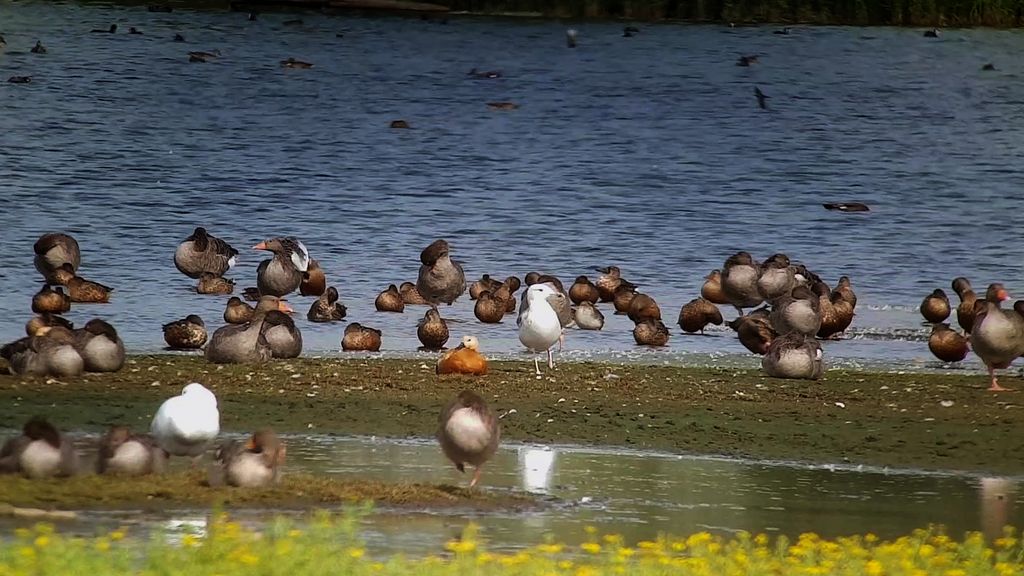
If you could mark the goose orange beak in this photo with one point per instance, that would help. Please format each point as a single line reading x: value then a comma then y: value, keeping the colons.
x: 260, y: 246
x: 284, y: 307
x: 1003, y: 295
x: 251, y: 444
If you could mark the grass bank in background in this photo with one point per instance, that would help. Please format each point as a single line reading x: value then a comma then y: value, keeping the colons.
x: 332, y: 546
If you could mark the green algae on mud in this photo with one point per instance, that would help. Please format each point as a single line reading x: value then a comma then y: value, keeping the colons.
x: 294, y: 491
x: 918, y: 420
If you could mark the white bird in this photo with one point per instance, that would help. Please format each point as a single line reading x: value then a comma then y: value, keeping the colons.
x: 186, y: 424
x: 539, y: 327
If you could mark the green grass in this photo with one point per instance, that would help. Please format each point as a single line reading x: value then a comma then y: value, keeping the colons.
x: 331, y: 545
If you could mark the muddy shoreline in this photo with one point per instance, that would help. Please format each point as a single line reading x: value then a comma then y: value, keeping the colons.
x: 926, y: 421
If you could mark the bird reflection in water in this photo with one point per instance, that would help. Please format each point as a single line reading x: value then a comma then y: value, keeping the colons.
x: 997, y: 497
x: 538, y: 467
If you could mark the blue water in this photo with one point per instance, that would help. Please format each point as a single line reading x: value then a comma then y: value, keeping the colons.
x: 647, y: 152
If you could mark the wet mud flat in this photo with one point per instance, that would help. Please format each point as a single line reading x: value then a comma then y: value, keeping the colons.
x: 926, y: 421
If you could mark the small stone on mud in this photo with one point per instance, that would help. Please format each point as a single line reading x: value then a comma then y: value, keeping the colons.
x: 946, y: 403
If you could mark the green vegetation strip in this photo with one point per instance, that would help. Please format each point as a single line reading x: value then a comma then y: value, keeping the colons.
x: 332, y: 546
x: 929, y: 421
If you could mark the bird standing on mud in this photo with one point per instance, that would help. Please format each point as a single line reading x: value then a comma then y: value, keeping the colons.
x: 539, y: 326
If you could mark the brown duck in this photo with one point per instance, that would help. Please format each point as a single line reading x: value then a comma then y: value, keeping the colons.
x: 651, y: 333
x: 845, y: 291
x: 469, y: 433
x: 441, y: 279
x: 947, y: 344
x: 123, y: 453
x: 583, y: 290
x: 237, y: 312
x: 211, y: 284
x: 52, y: 251
x: 608, y: 282
x: 80, y: 289
x: 314, y: 281
x: 189, y: 333
x: 698, y: 313
x: 412, y: 296
x: 711, y: 290
x: 643, y: 307
x: 754, y: 331
x: 432, y: 330
x: 327, y: 308
x: 935, y: 307
x: 204, y: 253
x: 45, y: 321
x: 624, y: 295
x: 390, y: 300
x: 255, y: 463
x: 484, y: 284
x: 489, y: 309
x: 360, y: 338
x: 965, y: 311
x: 50, y: 300
x: 831, y: 321
x: 507, y: 292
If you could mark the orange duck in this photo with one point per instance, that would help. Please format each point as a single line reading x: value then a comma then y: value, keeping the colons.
x: 463, y: 359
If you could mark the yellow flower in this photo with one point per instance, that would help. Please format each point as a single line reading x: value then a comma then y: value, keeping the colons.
x: 189, y: 540
x: 460, y: 546
x: 42, y: 541
x: 625, y: 552
x: 591, y: 547
x: 590, y: 530
x: 698, y: 539
x: 1006, y: 542
x: 586, y: 571
x: 356, y: 553
x: 103, y: 545
x: 870, y: 538
x: 613, y: 539
x: 550, y: 548
x: 874, y: 568
x: 27, y: 552
x: 117, y: 535
x: 955, y: 572
x: 761, y: 539
x: 293, y: 533
x: 249, y: 559
x: 564, y: 564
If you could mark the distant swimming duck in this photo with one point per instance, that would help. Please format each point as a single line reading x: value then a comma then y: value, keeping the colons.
x: 203, y: 253
x: 80, y: 289
x: 100, y: 346
x: 50, y: 351
x: 629, y: 31
x: 390, y: 300
x: 624, y: 295
x: 698, y: 313
x: 762, y: 98
x: 754, y: 331
x: 463, y: 359
x: 933, y: 33
x: 314, y: 281
x: 588, y: 317
x: 411, y: 296
x: 159, y: 8
x: 3, y: 43
x: 651, y: 333
x: 20, y: 80
x: 399, y: 124
x: 947, y: 344
x: 711, y: 290
x: 847, y: 207
x: 186, y: 424
x: 570, y: 38
x: 283, y: 273
x: 643, y: 307
x: 608, y: 282
x: 134, y: 30
x: 179, y: 38
x: 997, y: 336
x: 502, y: 105
x: 205, y: 55
x: 935, y: 307
x: 327, y: 308
x: 484, y: 74
x: 38, y: 48
x: 746, y: 60
x: 794, y: 356
x: 360, y: 338
x: 988, y: 67
x: 489, y: 309
x: 46, y: 320
x: 965, y: 310
x: 39, y: 452
x: 123, y: 453
x: 797, y: 312
x: 441, y: 279
x: 255, y: 463
x: 432, y: 330
x: 189, y: 333
x: 293, y: 63
x: 213, y: 284
x: 51, y: 300
x: 237, y: 312
x: 739, y: 281
x: 784, y: 31
x: 111, y: 30
x: 52, y: 251
x: 469, y: 433
x: 484, y: 284
x: 583, y: 290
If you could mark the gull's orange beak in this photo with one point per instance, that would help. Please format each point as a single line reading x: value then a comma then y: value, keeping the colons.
x: 284, y: 307
x: 260, y: 246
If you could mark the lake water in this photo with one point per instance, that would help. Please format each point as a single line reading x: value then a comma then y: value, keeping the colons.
x: 647, y: 152
x: 636, y: 494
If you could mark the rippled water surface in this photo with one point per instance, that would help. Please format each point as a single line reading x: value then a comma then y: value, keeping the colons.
x: 647, y: 152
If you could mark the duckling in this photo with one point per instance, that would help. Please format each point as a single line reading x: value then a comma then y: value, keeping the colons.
x: 643, y: 307
x: 583, y: 290
x: 489, y: 309
x: 651, y: 332
x: 624, y: 295
x: 965, y: 311
x: 124, y: 453
x: 49, y: 352
x: 484, y: 284
x: 432, y: 330
x: 203, y: 253
x: 776, y: 277
x: 412, y: 296
x: 711, y: 290
x: 100, y: 346
x: 46, y: 320
x: 189, y: 333
x: 293, y: 63
x: 440, y: 279
x: 389, y: 300
x: 588, y: 317
x: 358, y: 337
x: 38, y: 48
x: 463, y: 359
x: 237, y: 312
x: 794, y: 356
x: 314, y: 281
x: 608, y: 282
x: 254, y: 464
x: 946, y: 344
x: 39, y: 452
x: 210, y: 284
x: 80, y: 289
x: 49, y: 300
x: 283, y: 273
x: 111, y: 30
x: 698, y: 313
x: 282, y: 335
x: 797, y: 312
x: 469, y: 433
x: 739, y: 281
x: 935, y: 307
x: 327, y: 308
x: 754, y: 331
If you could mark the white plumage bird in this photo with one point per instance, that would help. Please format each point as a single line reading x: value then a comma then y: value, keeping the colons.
x: 185, y: 425
x: 539, y: 327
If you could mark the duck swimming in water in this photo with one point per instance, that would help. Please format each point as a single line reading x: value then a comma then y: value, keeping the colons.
x: 794, y: 356
x: 293, y: 63
x: 463, y: 359
x: 52, y: 251
x: 39, y: 452
x: 283, y: 273
x: 360, y: 338
x: 123, y: 453
x: 698, y: 313
x: 327, y: 308
x: 432, y: 330
x: 80, y: 289
x: 489, y: 309
x: 440, y: 278
x: 189, y: 333
x: 210, y: 284
x: 254, y: 463
x: 484, y: 284
x: 412, y: 296
x: 935, y: 307
x: 203, y: 253
x: 38, y: 48
x: 469, y: 433
x: 314, y: 281
x: 50, y: 300
x: 100, y: 346
x: 390, y: 300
